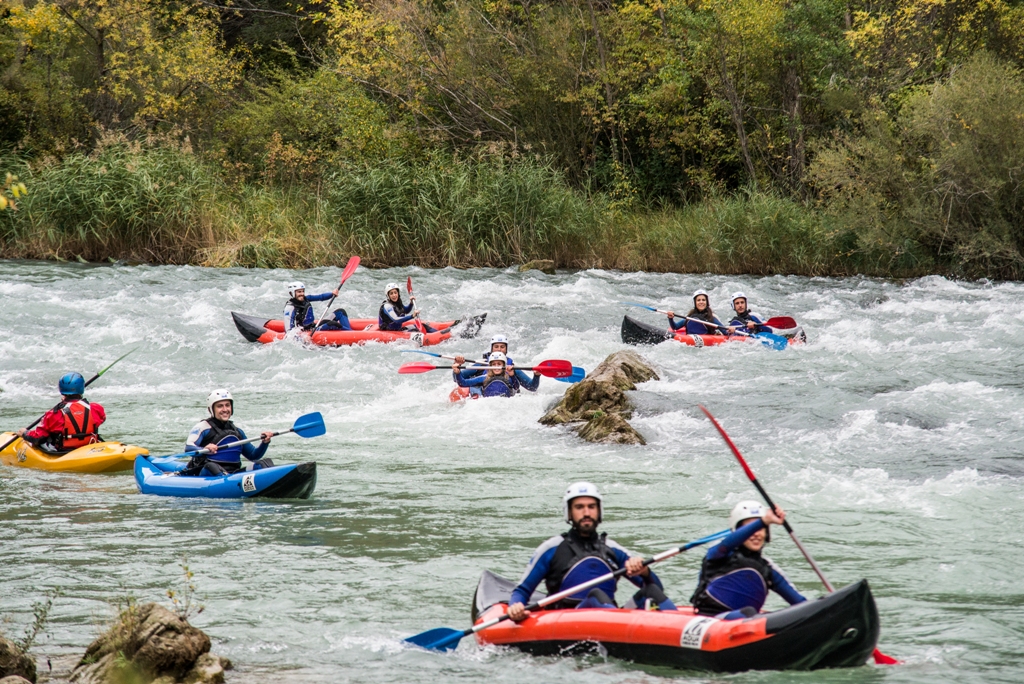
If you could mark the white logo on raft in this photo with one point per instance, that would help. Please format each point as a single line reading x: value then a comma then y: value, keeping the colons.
x: 693, y: 633
x: 698, y: 341
x: 249, y: 482
x: 417, y: 338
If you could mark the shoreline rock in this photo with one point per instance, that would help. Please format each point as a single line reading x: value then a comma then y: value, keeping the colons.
x: 14, y: 663
x: 598, y: 406
x: 543, y: 265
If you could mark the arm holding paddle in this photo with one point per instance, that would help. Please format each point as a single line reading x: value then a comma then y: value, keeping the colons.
x: 634, y: 567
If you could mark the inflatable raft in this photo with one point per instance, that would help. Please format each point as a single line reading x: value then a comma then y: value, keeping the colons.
x: 839, y: 630
x: 264, y: 330
x: 294, y: 481
x: 637, y: 332
x: 102, y: 457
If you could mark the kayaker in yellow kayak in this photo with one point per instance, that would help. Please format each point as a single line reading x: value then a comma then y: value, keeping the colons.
x: 73, y: 424
x: 580, y: 555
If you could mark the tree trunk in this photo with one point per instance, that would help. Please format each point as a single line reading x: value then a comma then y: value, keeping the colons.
x: 736, y: 109
x: 609, y: 96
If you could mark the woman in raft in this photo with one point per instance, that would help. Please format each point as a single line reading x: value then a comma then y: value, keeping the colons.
x: 701, y: 310
x: 497, y: 382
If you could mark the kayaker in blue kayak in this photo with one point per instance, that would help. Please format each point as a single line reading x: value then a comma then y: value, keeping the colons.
x: 743, y: 317
x: 580, y: 555
x: 734, y: 576
x: 494, y: 382
x: 394, y: 315
x: 298, y: 312
x: 702, y: 310
x: 218, y: 430
x: 517, y: 378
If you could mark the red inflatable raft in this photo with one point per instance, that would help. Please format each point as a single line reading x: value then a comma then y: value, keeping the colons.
x: 637, y: 332
x: 261, y: 329
x: 839, y: 630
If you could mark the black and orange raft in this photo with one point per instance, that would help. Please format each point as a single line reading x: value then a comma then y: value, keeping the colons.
x: 839, y: 630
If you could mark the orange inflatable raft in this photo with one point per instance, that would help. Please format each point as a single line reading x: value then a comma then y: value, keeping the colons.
x: 839, y: 630
x: 264, y: 330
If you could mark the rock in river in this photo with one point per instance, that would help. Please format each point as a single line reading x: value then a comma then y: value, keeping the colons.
x: 15, y: 663
x: 599, y: 406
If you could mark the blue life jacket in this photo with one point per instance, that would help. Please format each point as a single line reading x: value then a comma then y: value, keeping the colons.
x: 576, y: 561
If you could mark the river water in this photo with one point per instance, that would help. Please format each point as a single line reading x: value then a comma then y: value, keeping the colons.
x: 895, y: 439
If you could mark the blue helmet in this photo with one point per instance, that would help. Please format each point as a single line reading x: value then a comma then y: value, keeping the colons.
x: 72, y: 383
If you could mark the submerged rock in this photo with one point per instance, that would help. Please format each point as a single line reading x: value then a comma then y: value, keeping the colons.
x: 599, y: 405
x: 543, y: 265
x: 149, y: 643
x: 15, y: 663
x: 14, y: 679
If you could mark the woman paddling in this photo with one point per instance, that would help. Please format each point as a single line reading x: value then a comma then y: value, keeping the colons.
x: 702, y: 310
x: 497, y: 382
x: 393, y: 314
x: 735, y: 577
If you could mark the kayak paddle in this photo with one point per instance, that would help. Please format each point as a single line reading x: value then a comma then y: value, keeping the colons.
x: 553, y: 368
x: 308, y: 425
x: 768, y: 339
x: 783, y: 322
x: 880, y: 658
x: 447, y: 639
x: 59, y: 404
x: 350, y: 268
x: 578, y: 373
x: 416, y: 320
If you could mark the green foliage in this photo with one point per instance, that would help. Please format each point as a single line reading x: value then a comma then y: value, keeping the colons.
x: 184, y: 601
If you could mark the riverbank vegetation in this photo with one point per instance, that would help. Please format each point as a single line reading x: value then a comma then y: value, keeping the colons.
x: 734, y: 136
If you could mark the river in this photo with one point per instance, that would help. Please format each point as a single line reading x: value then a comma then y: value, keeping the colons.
x: 894, y: 438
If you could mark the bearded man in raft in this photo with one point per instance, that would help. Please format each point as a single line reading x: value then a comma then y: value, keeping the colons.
x: 580, y: 555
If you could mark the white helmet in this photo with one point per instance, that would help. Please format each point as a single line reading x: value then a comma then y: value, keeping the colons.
x: 293, y: 286
x: 499, y: 339
x: 698, y: 293
x: 745, y: 510
x: 496, y: 356
x: 738, y: 295
x: 578, y: 489
x: 219, y: 395
x: 391, y: 286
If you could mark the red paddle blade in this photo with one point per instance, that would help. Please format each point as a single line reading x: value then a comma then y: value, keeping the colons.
x: 554, y: 368
x: 882, y: 659
x: 783, y: 322
x: 408, y: 285
x: 416, y: 367
x: 350, y: 268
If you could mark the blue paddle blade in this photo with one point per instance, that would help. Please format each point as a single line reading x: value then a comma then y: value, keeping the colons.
x: 420, y: 351
x: 309, y: 425
x: 642, y: 306
x: 773, y: 341
x: 438, y: 639
x: 577, y: 375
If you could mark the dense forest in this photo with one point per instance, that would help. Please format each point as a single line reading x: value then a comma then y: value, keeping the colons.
x: 735, y: 136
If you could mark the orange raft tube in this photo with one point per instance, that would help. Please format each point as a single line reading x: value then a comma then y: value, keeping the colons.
x: 265, y: 331
x: 839, y: 630
x: 637, y: 332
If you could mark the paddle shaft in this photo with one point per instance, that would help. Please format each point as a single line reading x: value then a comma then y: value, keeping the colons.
x: 695, y: 320
x: 350, y: 268
x: 412, y: 298
x: 566, y: 593
x: 60, y: 404
x: 240, y: 442
x: 880, y: 658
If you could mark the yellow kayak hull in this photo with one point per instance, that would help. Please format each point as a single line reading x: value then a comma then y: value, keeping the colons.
x: 104, y: 457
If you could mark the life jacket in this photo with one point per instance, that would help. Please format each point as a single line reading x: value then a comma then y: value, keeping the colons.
x: 222, y: 432
x: 710, y: 329
x: 79, y: 427
x: 390, y: 312
x: 747, y: 317
x: 744, y: 569
x: 578, y: 560
x: 497, y: 386
x: 301, y: 310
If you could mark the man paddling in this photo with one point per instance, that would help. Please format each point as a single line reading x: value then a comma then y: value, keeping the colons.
x: 743, y: 317
x: 74, y: 423
x: 217, y: 430
x: 517, y: 379
x: 735, y: 577
x: 581, y: 554
x: 298, y: 312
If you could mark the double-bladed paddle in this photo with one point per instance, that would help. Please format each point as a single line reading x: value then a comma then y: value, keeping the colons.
x: 61, y: 403
x: 447, y: 639
x: 880, y: 658
x: 350, y: 268
x: 308, y: 425
x: 768, y: 339
x: 416, y: 320
x: 578, y: 372
x: 552, y: 368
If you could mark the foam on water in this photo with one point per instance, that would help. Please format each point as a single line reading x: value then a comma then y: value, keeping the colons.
x: 895, y: 438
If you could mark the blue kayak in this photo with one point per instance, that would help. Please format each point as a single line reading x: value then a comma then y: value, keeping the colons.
x: 295, y: 481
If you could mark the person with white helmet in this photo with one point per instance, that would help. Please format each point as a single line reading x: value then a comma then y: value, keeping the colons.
x: 395, y: 315
x: 582, y: 554
x: 216, y: 430
x: 517, y: 378
x: 298, y: 312
x: 702, y: 310
x: 494, y: 382
x: 743, y: 317
x: 735, y: 577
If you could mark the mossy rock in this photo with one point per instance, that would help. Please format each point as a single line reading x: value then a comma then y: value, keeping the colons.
x: 14, y: 663
x: 543, y: 265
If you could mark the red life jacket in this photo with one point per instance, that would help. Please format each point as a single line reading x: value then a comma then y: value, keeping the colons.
x: 79, y: 428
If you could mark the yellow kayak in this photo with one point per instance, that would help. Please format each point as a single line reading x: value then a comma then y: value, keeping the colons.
x: 103, y: 457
